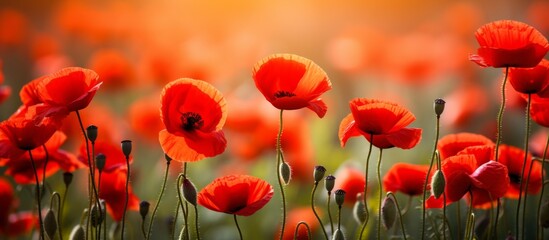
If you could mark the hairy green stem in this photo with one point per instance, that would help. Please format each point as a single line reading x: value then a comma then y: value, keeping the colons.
x: 539, y: 229
x: 380, y: 193
x: 238, y: 227
x: 278, y: 162
x: 518, y: 226
x: 433, y: 154
x: 390, y: 194
x: 314, y: 210
x: 366, y: 187
x: 37, y: 197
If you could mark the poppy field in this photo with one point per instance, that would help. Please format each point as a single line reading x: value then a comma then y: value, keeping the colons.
x: 274, y: 120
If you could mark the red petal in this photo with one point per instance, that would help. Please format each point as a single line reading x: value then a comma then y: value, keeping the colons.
x: 347, y: 129
x: 482, y: 153
x: 456, y: 170
x: 318, y: 106
x: 405, y: 138
x: 190, y: 148
x: 405, y: 178
x: 451, y: 144
x: 492, y: 177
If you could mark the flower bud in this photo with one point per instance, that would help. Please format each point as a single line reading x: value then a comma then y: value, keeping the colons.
x: 318, y: 173
x: 285, y: 172
x: 437, y: 184
x: 388, y: 212
x: 189, y: 191
x: 91, y: 132
x: 329, y: 183
x: 50, y: 224
x: 339, y: 197
x: 78, y: 233
x: 96, y: 216
x: 168, y: 158
x: 359, y: 210
x: 544, y: 215
x: 144, y: 209
x: 338, y: 235
x: 126, y: 147
x: 439, y: 106
x: 67, y: 178
x: 100, y: 161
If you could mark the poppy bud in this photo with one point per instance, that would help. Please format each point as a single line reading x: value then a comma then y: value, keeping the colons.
x: 100, y: 161
x: 144, y: 209
x: 96, y: 216
x: 329, y: 182
x: 388, y: 212
x: 168, y: 158
x: 318, y: 173
x: 439, y: 106
x: 544, y: 215
x: 67, y: 178
x: 338, y: 235
x: 359, y: 210
x: 78, y: 233
x: 126, y: 147
x: 50, y: 224
x: 91, y: 131
x: 339, y: 197
x: 285, y: 172
x: 189, y: 191
x: 437, y: 184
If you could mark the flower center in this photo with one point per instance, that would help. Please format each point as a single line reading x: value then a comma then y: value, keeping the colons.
x: 191, y: 121
x: 281, y: 94
x: 514, y: 178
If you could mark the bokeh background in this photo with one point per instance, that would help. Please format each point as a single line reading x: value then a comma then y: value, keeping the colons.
x: 409, y: 52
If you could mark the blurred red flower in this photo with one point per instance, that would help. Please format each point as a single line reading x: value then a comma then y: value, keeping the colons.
x: 143, y: 118
x: 19, y: 224
x: 351, y: 180
x: 508, y: 43
x: 115, y: 69
x: 513, y: 158
x: 303, y: 214
x: 466, y: 102
x: 383, y: 121
x: 193, y: 113
x: 5, y: 91
x: 292, y: 82
x: 406, y: 178
x: 539, y: 109
x: 115, y: 159
x: 452, y: 144
x: 113, y: 191
x: 6, y: 200
x: 530, y: 80
x: 236, y: 194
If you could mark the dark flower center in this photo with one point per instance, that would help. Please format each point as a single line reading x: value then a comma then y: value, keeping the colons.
x: 281, y: 94
x: 514, y: 178
x: 191, y: 121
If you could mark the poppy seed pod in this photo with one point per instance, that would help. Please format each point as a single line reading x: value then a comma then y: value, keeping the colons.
x: 78, y: 233
x: 438, y: 183
x: 144, y: 209
x: 100, y: 161
x: 318, y: 173
x: 96, y: 216
x: 67, y: 178
x: 338, y: 235
x: 339, y: 197
x: 126, y: 147
x: 359, y: 210
x: 189, y: 191
x: 285, y: 172
x: 329, y: 183
x: 50, y: 224
x: 439, y: 106
x: 91, y: 132
x: 544, y: 215
x: 388, y: 212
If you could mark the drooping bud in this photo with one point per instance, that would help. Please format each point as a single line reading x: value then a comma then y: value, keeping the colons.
x: 67, y: 178
x: 144, y: 209
x: 168, y: 158
x: 96, y: 216
x: 189, y: 191
x: 439, y: 106
x: 318, y: 173
x: 438, y: 184
x: 91, y: 131
x: 544, y: 215
x: 329, y: 183
x: 50, y: 224
x: 339, y: 197
x: 359, y: 210
x: 388, y: 212
x: 338, y: 235
x: 127, y: 147
x: 100, y: 161
x: 285, y: 172
x: 78, y: 233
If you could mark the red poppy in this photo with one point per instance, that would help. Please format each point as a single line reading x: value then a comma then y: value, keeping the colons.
x: 28, y: 94
x: 539, y: 110
x: 143, y: 116
x: 292, y: 82
x: 19, y: 224
x: 352, y: 181
x: 6, y: 200
x: 113, y: 191
x: 508, y: 43
x: 530, y: 80
x: 452, y: 144
x: 193, y: 113
x: 513, y: 158
x: 115, y: 69
x: 406, y: 178
x: 303, y: 214
x: 115, y: 158
x: 383, y: 121
x: 466, y: 101
x: 236, y: 194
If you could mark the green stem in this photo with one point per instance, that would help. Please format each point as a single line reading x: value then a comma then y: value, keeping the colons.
x: 518, y: 226
x: 37, y: 197
x: 339, y: 217
x: 500, y: 114
x: 148, y: 236
x: 306, y: 227
x: 380, y: 193
x: 238, y: 227
x: 58, y: 197
x: 175, y: 222
x: 390, y: 194
x: 540, y: 228
x: 45, y: 167
x: 459, y: 218
x: 444, y: 216
x: 196, y: 222
x: 329, y: 213
x: 437, y: 132
x: 366, y: 186
x: 314, y: 211
x: 278, y: 162
x: 470, y: 221
x: 127, y: 198
x: 62, y: 207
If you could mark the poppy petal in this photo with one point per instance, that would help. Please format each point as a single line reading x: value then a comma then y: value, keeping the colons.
x: 185, y: 149
x: 456, y: 170
x: 405, y: 138
x: 451, y: 144
x: 347, y: 129
x: 492, y: 177
x: 318, y: 106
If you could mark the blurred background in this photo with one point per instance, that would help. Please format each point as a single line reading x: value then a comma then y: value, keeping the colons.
x: 409, y: 52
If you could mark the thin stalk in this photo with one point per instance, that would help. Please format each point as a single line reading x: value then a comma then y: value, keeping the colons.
x: 306, y: 227
x: 439, y: 167
x: 339, y: 217
x: 196, y: 222
x: 500, y: 114
x: 186, y: 208
x: 238, y: 227
x: 314, y: 211
x: 148, y: 236
x: 459, y: 218
x: 380, y: 193
x: 127, y: 198
x: 45, y: 167
x: 329, y: 213
x: 437, y: 132
x: 172, y: 236
x: 62, y: 207
x: 539, y: 229
x: 278, y: 162
x: 518, y: 226
x: 470, y: 221
x: 58, y: 197
x: 390, y: 194
x: 37, y: 197
x: 366, y: 186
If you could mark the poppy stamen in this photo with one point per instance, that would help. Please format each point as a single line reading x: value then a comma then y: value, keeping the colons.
x: 281, y: 94
x: 191, y: 121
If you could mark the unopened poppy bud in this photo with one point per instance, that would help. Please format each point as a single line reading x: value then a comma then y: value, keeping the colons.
x: 329, y: 183
x: 339, y: 197
x: 388, y: 212
x: 78, y: 233
x: 544, y: 215
x: 126, y: 147
x: 338, y: 235
x: 439, y: 106
x: 318, y: 173
x: 67, y: 178
x: 144, y: 209
x: 168, y: 158
x: 91, y: 131
x: 437, y: 184
x: 189, y: 191
x: 285, y: 172
x: 100, y: 161
x: 359, y: 210
x: 96, y: 216
x: 50, y: 224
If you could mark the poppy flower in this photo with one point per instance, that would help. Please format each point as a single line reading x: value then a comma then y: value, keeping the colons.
x: 115, y: 69
x: 20, y: 223
x: 302, y: 214
x: 350, y: 180
x: 383, y: 121
x: 115, y: 158
x: 452, y: 144
x: 406, y: 178
x: 508, y: 43
x: 193, y: 113
x: 6, y: 200
x: 466, y: 101
x: 143, y: 117
x: 113, y: 191
x: 291, y: 82
x: 539, y: 111
x: 530, y: 80
x: 236, y: 194
x: 513, y: 158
